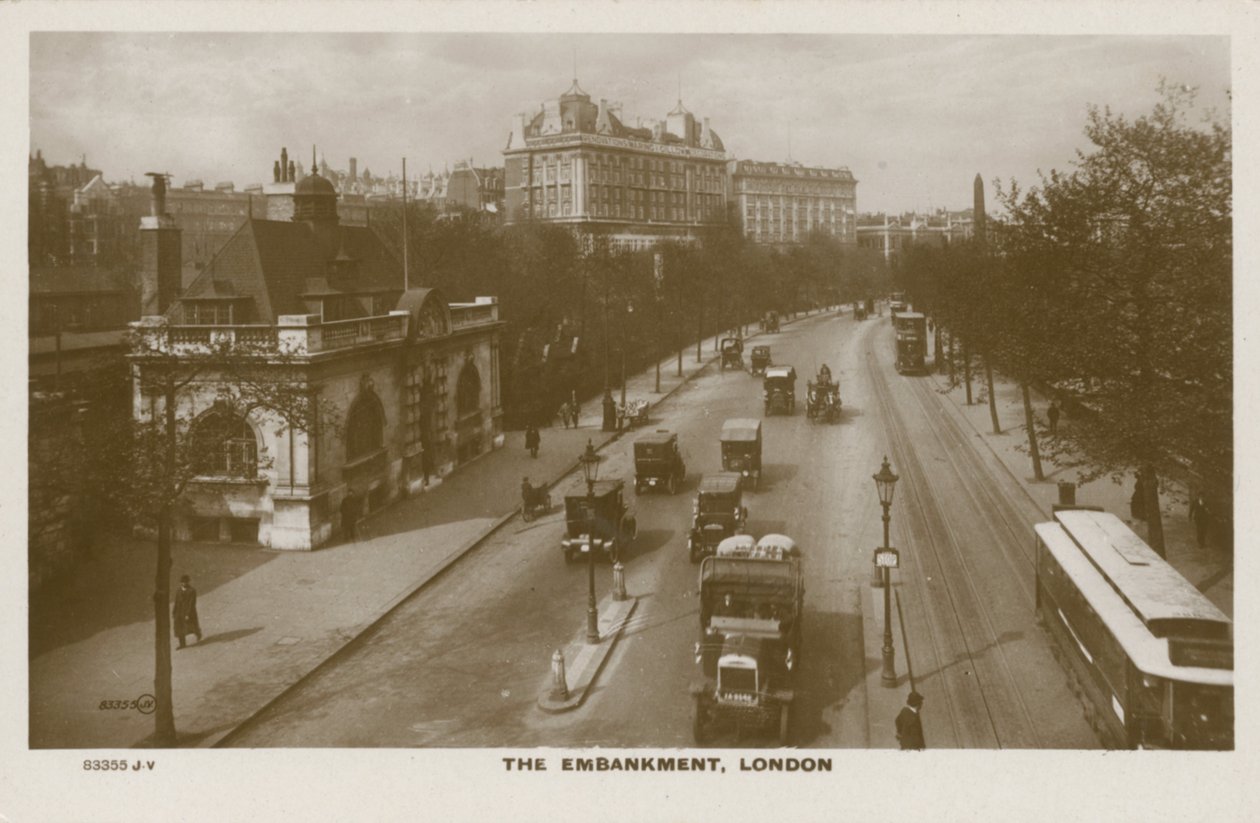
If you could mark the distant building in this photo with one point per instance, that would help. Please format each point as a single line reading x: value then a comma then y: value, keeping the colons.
x: 414, y: 378
x: 784, y: 203
x: 575, y: 163
x: 474, y: 189
x: 890, y: 235
x: 50, y: 190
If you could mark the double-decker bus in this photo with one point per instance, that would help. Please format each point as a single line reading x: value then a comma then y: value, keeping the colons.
x: 911, y: 331
x: 1152, y: 655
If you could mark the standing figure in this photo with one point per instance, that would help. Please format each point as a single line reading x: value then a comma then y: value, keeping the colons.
x: 532, y: 440
x: 575, y: 410
x: 565, y: 412
x: 610, y: 412
x: 909, y: 724
x: 1053, y: 414
x: 1137, y: 503
x: 185, y: 611
x: 1201, y: 516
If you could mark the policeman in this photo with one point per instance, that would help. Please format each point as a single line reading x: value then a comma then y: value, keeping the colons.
x: 909, y: 724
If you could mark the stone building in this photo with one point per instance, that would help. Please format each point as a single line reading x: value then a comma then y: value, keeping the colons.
x: 413, y: 378
x: 474, y: 189
x: 784, y: 203
x: 890, y: 235
x: 575, y: 163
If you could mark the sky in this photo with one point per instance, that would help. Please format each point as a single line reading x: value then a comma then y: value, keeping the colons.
x: 915, y: 117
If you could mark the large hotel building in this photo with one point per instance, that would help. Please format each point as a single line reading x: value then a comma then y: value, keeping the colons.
x: 784, y: 203
x: 575, y: 163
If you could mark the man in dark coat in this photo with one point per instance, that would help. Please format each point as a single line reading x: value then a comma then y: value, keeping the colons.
x: 1053, y: 414
x: 1201, y: 516
x: 532, y: 440
x: 909, y: 724
x: 185, y: 611
x: 610, y: 412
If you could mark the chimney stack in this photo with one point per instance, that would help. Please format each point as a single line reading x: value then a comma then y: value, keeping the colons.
x: 979, y: 215
x: 285, y: 166
x: 160, y: 254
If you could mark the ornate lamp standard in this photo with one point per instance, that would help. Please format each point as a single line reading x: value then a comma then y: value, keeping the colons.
x: 885, y: 483
x: 590, y: 470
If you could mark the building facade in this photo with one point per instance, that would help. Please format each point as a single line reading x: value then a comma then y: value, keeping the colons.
x: 575, y: 163
x: 784, y: 203
x: 890, y: 235
x: 410, y: 380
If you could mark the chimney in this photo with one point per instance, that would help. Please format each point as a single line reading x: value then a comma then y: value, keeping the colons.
x: 284, y: 165
x: 354, y: 169
x: 160, y: 256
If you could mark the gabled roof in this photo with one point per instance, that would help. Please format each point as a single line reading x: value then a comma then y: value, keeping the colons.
x: 274, y: 263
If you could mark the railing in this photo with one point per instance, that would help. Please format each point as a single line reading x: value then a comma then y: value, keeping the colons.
x: 467, y: 315
x: 298, y: 334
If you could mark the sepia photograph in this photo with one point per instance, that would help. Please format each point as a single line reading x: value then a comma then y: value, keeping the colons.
x: 650, y: 409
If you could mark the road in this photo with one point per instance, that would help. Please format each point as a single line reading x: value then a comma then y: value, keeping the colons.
x: 461, y: 663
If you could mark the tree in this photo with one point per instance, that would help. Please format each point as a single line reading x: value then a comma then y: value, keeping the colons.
x: 141, y: 461
x: 1134, y: 249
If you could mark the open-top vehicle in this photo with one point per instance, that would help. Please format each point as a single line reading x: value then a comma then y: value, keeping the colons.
x: 911, y: 331
x: 732, y: 354
x: 741, y: 448
x: 759, y: 360
x: 822, y: 401
x: 779, y: 390
x: 600, y: 522
x: 717, y: 513
x: 752, y: 600
x: 658, y: 463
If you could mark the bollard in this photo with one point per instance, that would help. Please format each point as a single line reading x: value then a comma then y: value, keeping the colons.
x: 559, y: 688
x: 619, y: 581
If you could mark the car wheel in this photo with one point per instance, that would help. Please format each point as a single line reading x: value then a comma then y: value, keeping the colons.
x: 784, y: 720
x: 527, y: 514
x: 671, y: 485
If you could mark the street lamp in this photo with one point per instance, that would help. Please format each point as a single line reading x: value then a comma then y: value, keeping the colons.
x: 885, y: 483
x: 590, y: 470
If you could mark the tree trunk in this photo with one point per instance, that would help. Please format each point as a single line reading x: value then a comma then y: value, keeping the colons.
x: 966, y: 358
x: 939, y: 362
x: 1154, y: 521
x: 988, y: 379
x: 953, y: 351
x: 1032, y: 433
x: 164, y: 714
x: 164, y: 734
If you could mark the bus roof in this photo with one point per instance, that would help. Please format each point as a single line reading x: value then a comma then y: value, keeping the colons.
x: 1149, y: 653
x: 1155, y: 590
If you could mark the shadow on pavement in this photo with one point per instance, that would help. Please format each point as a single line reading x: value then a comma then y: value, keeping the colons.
x: 830, y: 668
x: 226, y: 637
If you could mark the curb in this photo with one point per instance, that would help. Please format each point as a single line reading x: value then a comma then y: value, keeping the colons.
x: 593, y: 664
x: 225, y: 736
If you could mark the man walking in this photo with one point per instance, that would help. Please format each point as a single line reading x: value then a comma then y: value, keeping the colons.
x: 909, y: 724
x: 565, y: 412
x: 185, y: 611
x: 1053, y: 414
x: 532, y: 440
x: 1201, y: 516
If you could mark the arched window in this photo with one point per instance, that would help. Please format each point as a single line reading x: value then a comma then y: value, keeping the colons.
x: 365, y: 427
x: 224, y: 445
x: 468, y: 391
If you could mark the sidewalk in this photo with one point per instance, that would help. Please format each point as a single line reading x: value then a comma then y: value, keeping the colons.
x: 269, y: 618
x: 1210, y: 570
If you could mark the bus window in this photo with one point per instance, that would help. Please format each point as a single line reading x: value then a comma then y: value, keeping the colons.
x: 1148, y: 709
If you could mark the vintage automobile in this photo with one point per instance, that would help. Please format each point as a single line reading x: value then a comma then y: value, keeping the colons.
x: 759, y: 360
x: 741, y: 448
x: 599, y: 522
x: 732, y: 354
x: 822, y: 401
x: 717, y: 513
x: 771, y: 322
x: 658, y: 463
x: 859, y: 311
x: 779, y: 390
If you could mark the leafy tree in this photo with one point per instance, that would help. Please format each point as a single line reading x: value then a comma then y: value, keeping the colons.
x: 1134, y: 252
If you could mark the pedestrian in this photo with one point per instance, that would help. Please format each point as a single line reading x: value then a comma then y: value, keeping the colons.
x: 565, y: 412
x: 532, y: 440
x: 1053, y: 414
x: 185, y: 611
x: 1137, y: 503
x: 349, y: 516
x: 909, y: 724
x: 610, y: 412
x: 576, y: 411
x: 1201, y: 516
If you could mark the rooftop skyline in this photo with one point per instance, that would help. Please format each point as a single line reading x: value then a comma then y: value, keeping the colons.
x: 915, y: 117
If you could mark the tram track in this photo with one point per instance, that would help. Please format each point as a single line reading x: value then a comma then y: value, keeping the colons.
x: 989, y: 677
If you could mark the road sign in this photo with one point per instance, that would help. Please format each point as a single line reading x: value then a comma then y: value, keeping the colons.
x: 887, y: 558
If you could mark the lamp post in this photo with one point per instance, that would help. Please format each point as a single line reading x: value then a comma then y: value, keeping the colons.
x: 590, y: 470
x: 624, y: 341
x: 885, y: 483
